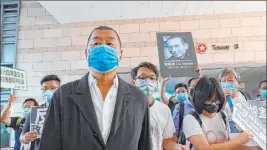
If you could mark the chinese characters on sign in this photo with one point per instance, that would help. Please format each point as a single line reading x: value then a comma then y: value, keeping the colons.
x: 177, y: 55
x: 247, y: 121
x: 13, y: 78
x: 258, y: 109
x: 37, y: 119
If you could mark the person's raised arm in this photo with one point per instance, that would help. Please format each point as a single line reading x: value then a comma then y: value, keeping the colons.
x: 7, y: 112
x: 163, y: 96
x: 199, y: 70
x: 51, y: 135
x: 145, y: 142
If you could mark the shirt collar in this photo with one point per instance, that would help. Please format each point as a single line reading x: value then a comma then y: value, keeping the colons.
x: 92, y: 81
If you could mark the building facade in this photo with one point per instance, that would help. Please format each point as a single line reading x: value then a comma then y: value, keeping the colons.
x: 44, y: 46
x: 34, y: 41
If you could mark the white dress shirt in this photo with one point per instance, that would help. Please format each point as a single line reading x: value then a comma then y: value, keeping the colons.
x: 104, y: 108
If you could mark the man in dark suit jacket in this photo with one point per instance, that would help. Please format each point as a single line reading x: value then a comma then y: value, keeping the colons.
x: 85, y: 114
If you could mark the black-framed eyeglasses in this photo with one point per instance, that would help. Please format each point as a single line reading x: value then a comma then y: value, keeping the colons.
x: 224, y: 80
x: 146, y: 78
x: 180, y: 92
x: 49, y: 88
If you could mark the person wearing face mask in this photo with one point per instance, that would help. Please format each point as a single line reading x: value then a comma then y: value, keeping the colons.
x: 49, y: 84
x: 16, y: 123
x: 207, y: 127
x: 184, y: 107
x: 100, y: 111
x: 191, y: 85
x: 230, y: 83
x: 262, y: 91
x: 145, y: 77
x: 173, y: 101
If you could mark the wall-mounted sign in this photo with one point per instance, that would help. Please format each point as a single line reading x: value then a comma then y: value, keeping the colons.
x: 201, y: 48
x: 220, y: 47
x: 223, y: 47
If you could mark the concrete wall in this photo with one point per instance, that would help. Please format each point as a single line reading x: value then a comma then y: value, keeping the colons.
x: 47, y: 47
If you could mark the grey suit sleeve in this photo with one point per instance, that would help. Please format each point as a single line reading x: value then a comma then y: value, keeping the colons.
x: 145, y: 142
x: 51, y: 135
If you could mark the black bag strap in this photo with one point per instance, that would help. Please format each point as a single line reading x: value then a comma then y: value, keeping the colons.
x: 195, y: 114
x: 246, y: 94
x: 224, y: 118
x: 181, y: 116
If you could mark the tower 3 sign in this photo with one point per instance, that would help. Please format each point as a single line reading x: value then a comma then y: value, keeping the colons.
x: 223, y: 47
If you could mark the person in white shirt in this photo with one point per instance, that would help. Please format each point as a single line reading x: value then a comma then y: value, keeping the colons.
x: 145, y: 77
x: 207, y: 128
x: 230, y: 82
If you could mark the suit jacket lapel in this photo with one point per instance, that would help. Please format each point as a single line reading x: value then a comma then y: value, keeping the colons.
x: 122, y: 103
x: 83, y: 100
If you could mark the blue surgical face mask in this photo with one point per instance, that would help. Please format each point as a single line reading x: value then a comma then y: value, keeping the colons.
x: 26, y: 111
x: 47, y: 96
x: 264, y: 94
x: 182, y: 97
x: 103, y: 58
x: 230, y: 86
x: 148, y: 87
x: 156, y: 96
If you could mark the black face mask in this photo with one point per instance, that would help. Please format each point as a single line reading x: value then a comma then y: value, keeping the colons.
x: 211, y: 108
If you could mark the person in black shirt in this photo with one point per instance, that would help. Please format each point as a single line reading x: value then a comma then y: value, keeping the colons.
x: 16, y: 122
x: 50, y: 84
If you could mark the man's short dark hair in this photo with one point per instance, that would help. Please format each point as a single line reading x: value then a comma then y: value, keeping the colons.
x: 263, y: 81
x: 204, y: 90
x: 146, y: 65
x: 31, y: 100
x: 104, y: 28
x: 180, y: 85
x: 50, y: 78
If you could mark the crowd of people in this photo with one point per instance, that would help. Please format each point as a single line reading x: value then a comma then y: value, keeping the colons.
x: 101, y: 111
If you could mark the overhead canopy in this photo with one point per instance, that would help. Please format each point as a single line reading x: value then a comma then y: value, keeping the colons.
x: 84, y: 11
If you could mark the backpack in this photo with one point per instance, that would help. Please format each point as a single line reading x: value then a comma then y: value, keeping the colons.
x: 181, y: 118
x: 182, y: 138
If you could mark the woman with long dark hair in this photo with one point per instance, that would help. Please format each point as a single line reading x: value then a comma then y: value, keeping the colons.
x: 207, y: 127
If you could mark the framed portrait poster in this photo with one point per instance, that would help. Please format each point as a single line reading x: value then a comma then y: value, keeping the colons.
x: 177, y: 55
